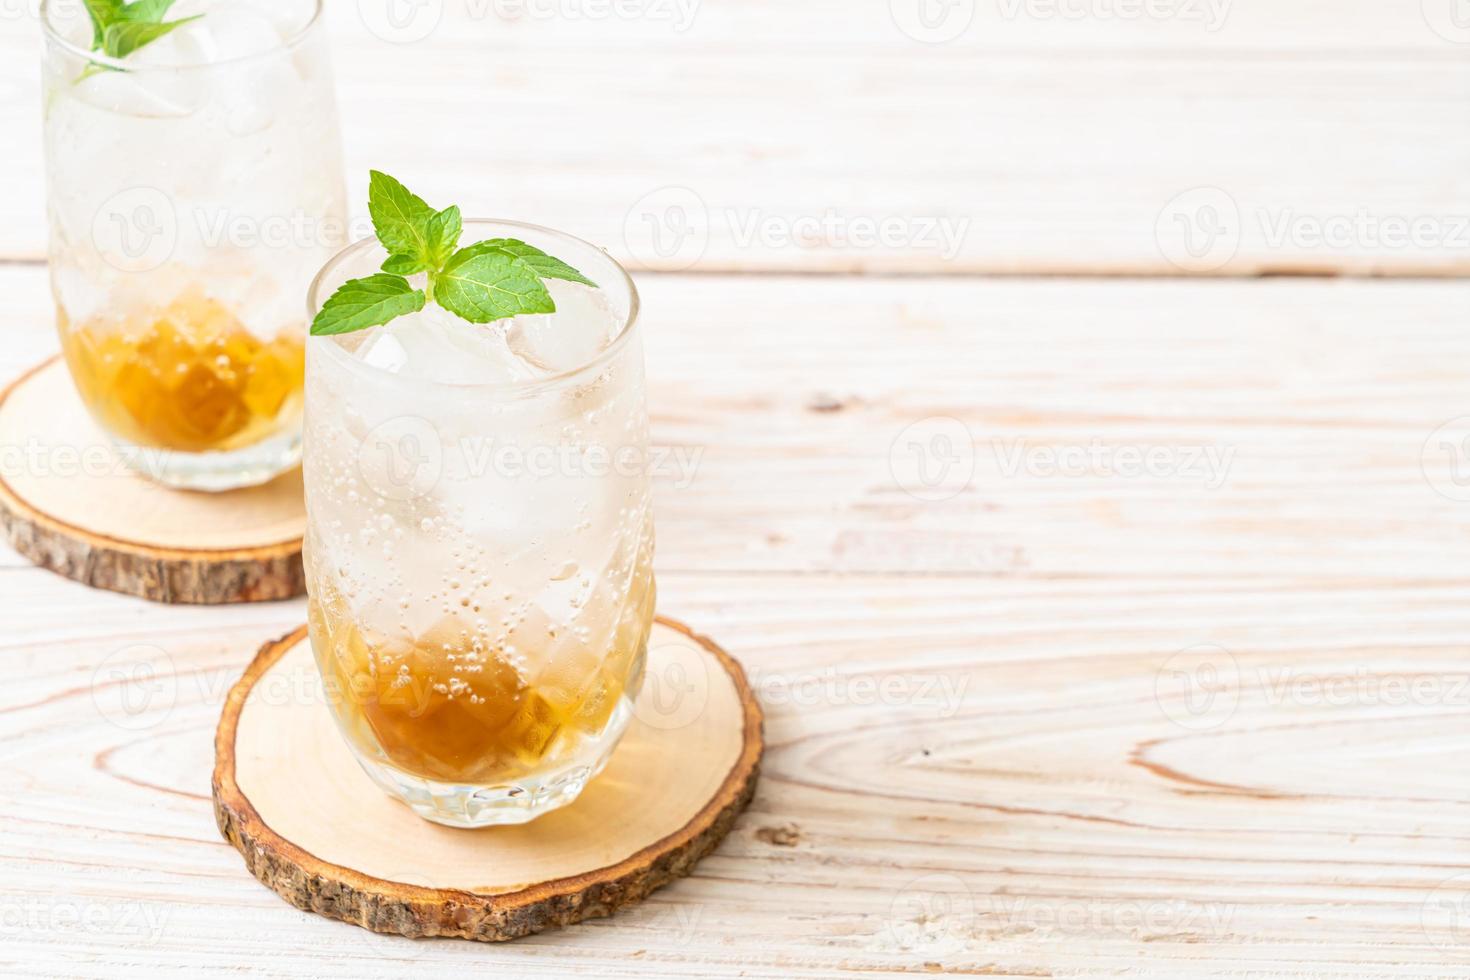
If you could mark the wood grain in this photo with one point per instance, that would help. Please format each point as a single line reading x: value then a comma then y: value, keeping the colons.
x: 1049, y: 142
x: 1030, y: 795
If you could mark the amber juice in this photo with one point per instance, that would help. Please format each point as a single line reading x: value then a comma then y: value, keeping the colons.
x: 458, y: 704
x: 188, y: 376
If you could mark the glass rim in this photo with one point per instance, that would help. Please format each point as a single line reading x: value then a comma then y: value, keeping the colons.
x: 597, y: 362
x: 54, y: 36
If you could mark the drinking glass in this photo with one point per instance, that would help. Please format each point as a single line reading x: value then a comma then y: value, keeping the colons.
x: 479, y: 538
x: 194, y: 188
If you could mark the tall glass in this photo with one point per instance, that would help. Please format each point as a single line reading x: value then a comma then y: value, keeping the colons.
x: 194, y: 188
x: 479, y: 539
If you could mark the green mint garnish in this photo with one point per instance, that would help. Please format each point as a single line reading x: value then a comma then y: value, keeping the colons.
x: 119, y: 29
x: 483, y: 287
x: 363, y: 303
x: 481, y: 283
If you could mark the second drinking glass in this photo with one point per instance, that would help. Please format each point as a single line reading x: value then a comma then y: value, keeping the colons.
x: 194, y: 186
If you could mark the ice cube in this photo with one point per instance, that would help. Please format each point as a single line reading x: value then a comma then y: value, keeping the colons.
x: 581, y: 328
x: 225, y: 32
x: 258, y: 83
x: 436, y: 345
x: 147, y: 95
x: 385, y: 353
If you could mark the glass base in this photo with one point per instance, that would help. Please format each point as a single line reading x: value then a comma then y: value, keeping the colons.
x: 215, y: 472
x: 469, y: 806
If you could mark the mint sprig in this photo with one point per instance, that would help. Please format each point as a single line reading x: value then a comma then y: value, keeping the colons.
x: 484, y: 282
x: 119, y: 29
x: 363, y: 303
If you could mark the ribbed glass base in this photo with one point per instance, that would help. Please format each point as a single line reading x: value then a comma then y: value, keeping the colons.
x: 215, y: 472
x: 471, y: 806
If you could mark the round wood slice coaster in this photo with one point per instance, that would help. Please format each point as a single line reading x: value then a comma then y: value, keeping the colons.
x: 289, y: 795
x: 69, y: 504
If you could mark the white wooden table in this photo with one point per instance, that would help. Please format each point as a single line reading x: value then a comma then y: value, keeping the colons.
x: 1107, y: 601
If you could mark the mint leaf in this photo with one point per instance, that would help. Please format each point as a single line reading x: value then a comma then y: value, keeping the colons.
x: 401, y: 219
x: 443, y: 231
x: 124, y: 37
x: 490, y: 285
x: 361, y: 303
x: 544, y: 265
x: 404, y: 265
x: 150, y: 11
x: 102, y: 14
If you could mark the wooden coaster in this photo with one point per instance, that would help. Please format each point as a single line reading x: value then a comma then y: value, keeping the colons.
x: 69, y: 504
x: 289, y: 795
